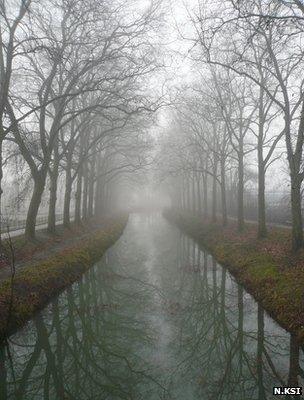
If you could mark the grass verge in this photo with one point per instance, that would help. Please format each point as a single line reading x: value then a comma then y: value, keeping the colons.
x: 266, y: 268
x: 36, y: 284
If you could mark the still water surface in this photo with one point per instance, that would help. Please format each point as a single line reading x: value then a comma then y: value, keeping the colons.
x: 156, y: 318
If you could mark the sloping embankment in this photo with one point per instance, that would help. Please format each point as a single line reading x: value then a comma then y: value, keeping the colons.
x: 36, y: 284
x: 274, y: 277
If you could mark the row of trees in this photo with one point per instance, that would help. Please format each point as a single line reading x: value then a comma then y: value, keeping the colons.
x: 73, y: 78
x: 244, y: 108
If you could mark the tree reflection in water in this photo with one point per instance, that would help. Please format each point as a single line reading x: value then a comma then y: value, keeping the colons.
x: 157, y: 318
x: 230, y: 349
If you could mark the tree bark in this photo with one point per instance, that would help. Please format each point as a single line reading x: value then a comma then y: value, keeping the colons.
x: 199, y: 200
x: 98, y: 197
x: 296, y: 177
x: 188, y: 195
x: 53, y: 174
x: 214, y: 192
x: 296, y: 212
x: 30, y: 225
x: 106, y: 197
x: 183, y: 193
x: 78, y: 198
x: 241, y: 222
x: 51, y: 228
x: 223, y: 193
x: 67, y: 197
x: 193, y: 194
x: 262, y: 229
x: 205, y: 194
x: 98, y: 194
x: 91, y: 187
x: 85, y: 192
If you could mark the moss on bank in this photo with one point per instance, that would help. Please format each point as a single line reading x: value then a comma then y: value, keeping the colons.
x: 36, y: 284
x: 266, y: 268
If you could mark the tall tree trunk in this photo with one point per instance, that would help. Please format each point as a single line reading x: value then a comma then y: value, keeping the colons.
x: 214, y: 191
x: 241, y: 222
x: 30, y: 225
x: 223, y: 192
x: 53, y: 174
x: 67, y: 196
x: 199, y: 200
x: 91, y: 199
x: 78, y: 198
x: 184, y: 200
x: 296, y: 212
x: 296, y: 177
x: 98, y: 197
x: 205, y: 193
x: 188, y: 196
x: 51, y: 228
x: 85, y: 191
x: 106, y: 196
x: 179, y: 190
x: 193, y: 194
x: 91, y: 187
x: 262, y: 229
x: 98, y: 189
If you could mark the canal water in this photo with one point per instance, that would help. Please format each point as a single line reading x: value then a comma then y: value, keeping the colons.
x: 156, y: 318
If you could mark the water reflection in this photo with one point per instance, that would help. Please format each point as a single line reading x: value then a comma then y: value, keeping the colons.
x: 157, y: 318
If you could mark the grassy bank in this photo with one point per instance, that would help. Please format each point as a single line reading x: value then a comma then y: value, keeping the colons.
x: 36, y: 284
x: 267, y: 268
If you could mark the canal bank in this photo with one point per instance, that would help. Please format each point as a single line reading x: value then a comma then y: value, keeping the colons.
x: 266, y: 268
x: 30, y: 288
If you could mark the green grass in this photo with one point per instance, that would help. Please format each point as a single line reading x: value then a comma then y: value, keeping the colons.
x: 36, y: 284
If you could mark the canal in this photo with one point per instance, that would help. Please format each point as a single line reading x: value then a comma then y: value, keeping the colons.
x: 156, y: 318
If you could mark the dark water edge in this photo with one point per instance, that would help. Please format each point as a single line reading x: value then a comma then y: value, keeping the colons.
x: 156, y: 318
